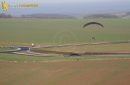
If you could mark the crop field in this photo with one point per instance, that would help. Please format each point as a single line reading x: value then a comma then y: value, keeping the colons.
x: 66, y: 36
x: 93, y: 72
x: 38, y: 31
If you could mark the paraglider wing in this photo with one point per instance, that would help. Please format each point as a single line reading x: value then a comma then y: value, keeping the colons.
x: 91, y: 23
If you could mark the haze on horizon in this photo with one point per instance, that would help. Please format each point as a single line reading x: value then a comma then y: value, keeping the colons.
x: 69, y: 6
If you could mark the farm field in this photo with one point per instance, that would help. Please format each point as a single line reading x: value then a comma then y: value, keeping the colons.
x: 38, y: 31
x: 91, y: 72
x: 6, y: 48
x: 45, y: 32
x: 59, y: 69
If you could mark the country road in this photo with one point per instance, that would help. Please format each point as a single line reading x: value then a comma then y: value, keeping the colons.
x: 19, y: 49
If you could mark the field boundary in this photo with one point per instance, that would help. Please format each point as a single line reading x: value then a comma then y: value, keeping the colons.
x: 81, y: 44
x: 85, y: 53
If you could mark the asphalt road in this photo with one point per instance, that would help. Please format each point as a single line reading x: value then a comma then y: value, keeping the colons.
x: 19, y: 49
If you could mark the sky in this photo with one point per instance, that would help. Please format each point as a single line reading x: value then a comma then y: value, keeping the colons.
x: 68, y: 6
x: 65, y: 1
x: 83, y: 1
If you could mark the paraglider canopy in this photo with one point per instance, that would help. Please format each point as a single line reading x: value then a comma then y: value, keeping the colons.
x: 93, y: 23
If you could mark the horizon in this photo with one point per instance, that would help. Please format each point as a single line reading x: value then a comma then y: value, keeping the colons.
x: 68, y: 7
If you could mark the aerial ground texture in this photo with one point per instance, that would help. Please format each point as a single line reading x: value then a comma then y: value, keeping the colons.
x: 91, y: 72
x: 59, y: 69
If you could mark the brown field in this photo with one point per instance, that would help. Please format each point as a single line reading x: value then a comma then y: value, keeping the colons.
x: 91, y: 72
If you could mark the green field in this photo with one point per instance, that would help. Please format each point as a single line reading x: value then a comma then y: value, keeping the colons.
x: 62, y: 31
x: 6, y: 48
x: 65, y: 69
x: 17, y: 32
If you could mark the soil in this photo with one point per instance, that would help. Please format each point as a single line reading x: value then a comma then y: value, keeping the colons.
x: 101, y: 72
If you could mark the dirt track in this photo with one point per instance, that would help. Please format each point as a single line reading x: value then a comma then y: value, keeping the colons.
x: 82, y: 44
x: 108, y: 72
x: 25, y: 50
x: 85, y: 53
